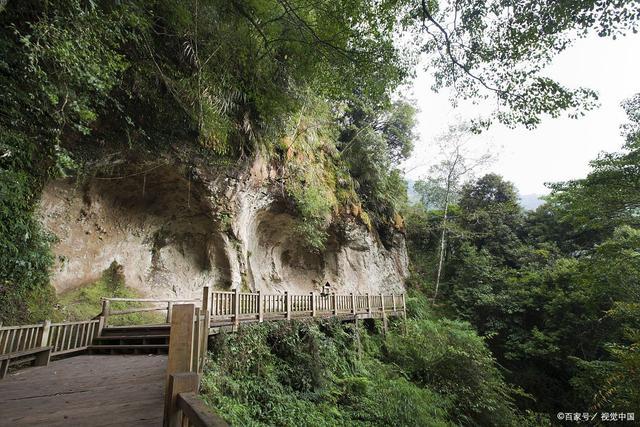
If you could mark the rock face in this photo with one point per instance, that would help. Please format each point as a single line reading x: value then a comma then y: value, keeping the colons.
x: 175, y: 228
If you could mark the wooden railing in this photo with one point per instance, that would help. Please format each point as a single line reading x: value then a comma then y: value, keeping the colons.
x: 246, y: 306
x: 190, y: 331
x: 69, y: 337
x: 187, y: 351
x: 194, y: 412
x: 220, y: 307
x: 19, y: 338
x: 151, y: 305
x: 64, y: 337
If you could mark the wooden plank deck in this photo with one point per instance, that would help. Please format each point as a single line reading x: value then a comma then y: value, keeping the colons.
x: 86, y: 391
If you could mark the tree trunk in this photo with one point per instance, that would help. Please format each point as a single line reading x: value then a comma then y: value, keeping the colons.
x: 442, y: 244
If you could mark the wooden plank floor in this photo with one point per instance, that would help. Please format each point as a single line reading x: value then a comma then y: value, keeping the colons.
x: 118, y: 390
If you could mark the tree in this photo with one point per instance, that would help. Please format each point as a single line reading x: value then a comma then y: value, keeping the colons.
x: 442, y: 186
x: 499, y: 49
x: 490, y: 210
x: 240, y: 70
x: 562, y: 322
x: 610, y: 194
x: 372, y: 142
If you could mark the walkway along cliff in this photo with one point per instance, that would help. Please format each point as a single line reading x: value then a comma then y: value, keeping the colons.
x: 113, y: 389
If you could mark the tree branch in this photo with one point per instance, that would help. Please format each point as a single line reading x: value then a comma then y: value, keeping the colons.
x: 454, y: 60
x: 285, y: 4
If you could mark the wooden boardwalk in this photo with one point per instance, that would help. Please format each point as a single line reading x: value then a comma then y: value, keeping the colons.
x: 141, y: 389
x: 86, y: 391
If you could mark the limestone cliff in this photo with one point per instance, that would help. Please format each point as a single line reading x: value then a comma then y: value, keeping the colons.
x: 176, y: 226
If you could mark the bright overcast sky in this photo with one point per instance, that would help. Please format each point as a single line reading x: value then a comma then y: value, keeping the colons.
x: 558, y: 149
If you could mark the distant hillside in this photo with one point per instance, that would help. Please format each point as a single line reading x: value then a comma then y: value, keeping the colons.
x: 527, y: 201
x: 411, y: 193
x: 530, y: 201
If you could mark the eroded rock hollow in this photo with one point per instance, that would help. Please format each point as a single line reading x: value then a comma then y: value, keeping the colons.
x: 175, y: 228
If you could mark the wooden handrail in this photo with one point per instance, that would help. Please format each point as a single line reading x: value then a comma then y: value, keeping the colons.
x: 247, y: 306
x: 63, y: 337
x: 196, y: 412
x: 187, y: 349
x: 190, y: 331
x: 182, y: 405
x: 107, y: 311
x: 151, y: 300
x: 136, y: 310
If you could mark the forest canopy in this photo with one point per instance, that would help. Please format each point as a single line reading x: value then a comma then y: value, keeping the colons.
x: 555, y: 291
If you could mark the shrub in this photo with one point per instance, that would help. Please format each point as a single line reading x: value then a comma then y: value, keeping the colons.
x: 327, y: 373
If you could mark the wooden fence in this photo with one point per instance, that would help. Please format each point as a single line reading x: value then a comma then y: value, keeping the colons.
x: 187, y: 351
x: 144, y: 305
x: 66, y: 337
x: 190, y: 331
x: 221, y: 307
x: 239, y: 306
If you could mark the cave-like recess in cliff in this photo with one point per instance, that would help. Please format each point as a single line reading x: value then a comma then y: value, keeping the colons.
x: 155, y: 222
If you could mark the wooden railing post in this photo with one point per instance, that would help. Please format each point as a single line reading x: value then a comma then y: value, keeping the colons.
x: 393, y: 297
x: 404, y: 314
x: 183, y: 382
x: 236, y: 309
x: 313, y: 304
x: 100, y: 327
x: 169, y: 309
x: 204, y: 332
x: 197, y: 341
x: 260, y: 308
x: 180, y: 358
x: 105, y: 310
x: 384, y: 315
x: 287, y: 301
x: 206, y: 299
x: 404, y: 308
x: 181, y: 339
x: 353, y: 303
x: 335, y: 304
x: 206, y: 307
x: 368, y: 304
x: 43, y: 338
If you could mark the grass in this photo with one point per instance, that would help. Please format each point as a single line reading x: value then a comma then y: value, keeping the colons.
x: 85, y: 302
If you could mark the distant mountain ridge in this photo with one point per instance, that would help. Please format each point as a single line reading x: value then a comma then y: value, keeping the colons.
x: 530, y: 201
x: 527, y: 201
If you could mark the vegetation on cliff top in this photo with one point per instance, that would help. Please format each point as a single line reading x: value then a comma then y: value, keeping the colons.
x: 235, y: 77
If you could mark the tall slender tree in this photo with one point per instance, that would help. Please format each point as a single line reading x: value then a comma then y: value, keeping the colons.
x: 457, y: 163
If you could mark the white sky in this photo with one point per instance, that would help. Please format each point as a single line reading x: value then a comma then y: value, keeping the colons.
x: 558, y: 149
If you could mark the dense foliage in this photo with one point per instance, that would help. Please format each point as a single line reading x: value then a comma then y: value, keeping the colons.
x: 235, y: 77
x: 556, y: 291
x: 311, y: 84
x: 438, y: 372
x: 56, y: 74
